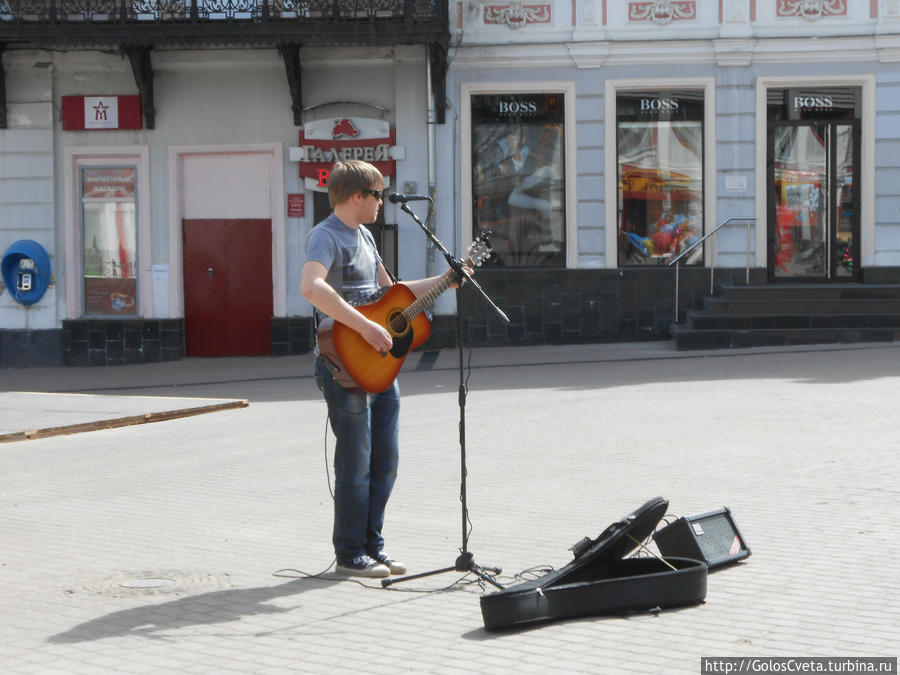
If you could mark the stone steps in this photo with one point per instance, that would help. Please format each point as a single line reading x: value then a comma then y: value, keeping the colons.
x: 781, y: 315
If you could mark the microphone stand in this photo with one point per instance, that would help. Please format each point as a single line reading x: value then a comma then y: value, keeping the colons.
x: 465, y: 562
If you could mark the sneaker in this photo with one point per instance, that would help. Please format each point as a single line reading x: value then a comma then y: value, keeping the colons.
x: 395, y: 566
x: 362, y: 566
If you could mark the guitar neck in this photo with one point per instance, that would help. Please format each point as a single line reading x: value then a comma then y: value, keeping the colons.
x: 427, y: 298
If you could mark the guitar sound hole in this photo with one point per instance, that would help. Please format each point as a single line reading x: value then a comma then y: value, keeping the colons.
x: 398, y: 324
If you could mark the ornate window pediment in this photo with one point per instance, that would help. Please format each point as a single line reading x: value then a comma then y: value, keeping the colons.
x: 811, y: 10
x: 662, y: 12
x: 516, y: 15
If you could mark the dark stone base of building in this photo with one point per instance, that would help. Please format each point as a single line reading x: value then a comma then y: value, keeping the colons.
x: 292, y: 335
x: 579, y: 306
x: 116, y: 342
x: 31, y: 348
x: 880, y: 275
x: 544, y: 307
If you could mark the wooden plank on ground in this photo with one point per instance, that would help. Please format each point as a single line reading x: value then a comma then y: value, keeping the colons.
x: 122, y: 421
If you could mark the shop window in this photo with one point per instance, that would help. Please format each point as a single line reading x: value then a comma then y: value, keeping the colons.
x: 659, y: 157
x: 518, y: 177
x: 109, y: 238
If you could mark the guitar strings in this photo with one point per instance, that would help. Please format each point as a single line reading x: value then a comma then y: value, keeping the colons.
x: 399, y: 321
x: 432, y: 294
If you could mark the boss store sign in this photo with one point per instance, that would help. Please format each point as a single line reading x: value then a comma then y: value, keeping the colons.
x: 823, y: 102
x: 647, y: 106
x: 814, y: 104
x: 521, y: 108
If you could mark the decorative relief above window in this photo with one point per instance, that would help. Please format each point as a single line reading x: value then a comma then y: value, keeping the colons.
x: 662, y: 11
x: 811, y: 10
x: 516, y: 15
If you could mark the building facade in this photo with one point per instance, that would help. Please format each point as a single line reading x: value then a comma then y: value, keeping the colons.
x: 169, y: 161
x: 600, y: 141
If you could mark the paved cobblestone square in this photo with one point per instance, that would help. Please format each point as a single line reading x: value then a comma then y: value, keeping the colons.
x: 182, y: 546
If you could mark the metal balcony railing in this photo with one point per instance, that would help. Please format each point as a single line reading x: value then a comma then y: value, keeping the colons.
x: 135, y: 27
x: 173, y: 11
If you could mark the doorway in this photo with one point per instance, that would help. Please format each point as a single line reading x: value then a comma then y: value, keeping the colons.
x: 227, y: 286
x: 813, y: 188
x: 813, y: 200
x: 228, y: 242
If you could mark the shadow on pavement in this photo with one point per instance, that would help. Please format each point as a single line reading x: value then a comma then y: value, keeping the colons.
x: 204, y: 609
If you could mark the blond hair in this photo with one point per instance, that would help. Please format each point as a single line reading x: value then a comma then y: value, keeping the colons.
x: 348, y: 177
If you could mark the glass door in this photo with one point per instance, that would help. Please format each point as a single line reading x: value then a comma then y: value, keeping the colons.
x: 845, y: 255
x: 813, y: 200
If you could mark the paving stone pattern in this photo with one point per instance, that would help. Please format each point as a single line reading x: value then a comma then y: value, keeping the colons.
x: 204, y: 511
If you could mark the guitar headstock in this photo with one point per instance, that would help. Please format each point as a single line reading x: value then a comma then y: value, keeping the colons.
x: 479, y: 251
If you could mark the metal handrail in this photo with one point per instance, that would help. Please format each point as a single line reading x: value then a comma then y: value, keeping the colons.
x: 712, y: 268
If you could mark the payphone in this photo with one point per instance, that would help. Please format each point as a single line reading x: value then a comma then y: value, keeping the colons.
x: 25, y: 269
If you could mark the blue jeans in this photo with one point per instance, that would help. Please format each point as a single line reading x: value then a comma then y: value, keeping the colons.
x: 366, y: 455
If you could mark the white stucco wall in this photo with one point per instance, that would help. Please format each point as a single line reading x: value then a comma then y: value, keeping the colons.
x: 27, y: 209
x: 214, y: 99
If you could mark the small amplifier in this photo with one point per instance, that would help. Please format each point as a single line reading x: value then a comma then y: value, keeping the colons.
x: 713, y: 537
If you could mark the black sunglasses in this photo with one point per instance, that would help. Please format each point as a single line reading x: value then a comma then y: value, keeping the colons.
x: 378, y: 194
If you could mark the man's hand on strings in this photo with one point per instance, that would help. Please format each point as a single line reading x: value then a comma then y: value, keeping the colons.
x: 377, y: 336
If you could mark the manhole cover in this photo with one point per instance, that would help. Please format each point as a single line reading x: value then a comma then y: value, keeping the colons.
x: 157, y: 582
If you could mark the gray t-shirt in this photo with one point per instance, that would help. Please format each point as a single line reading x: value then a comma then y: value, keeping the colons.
x: 349, y: 255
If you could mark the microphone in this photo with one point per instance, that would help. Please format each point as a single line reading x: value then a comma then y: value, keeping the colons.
x: 397, y: 198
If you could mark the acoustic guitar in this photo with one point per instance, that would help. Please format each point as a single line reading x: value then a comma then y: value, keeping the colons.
x: 354, y: 363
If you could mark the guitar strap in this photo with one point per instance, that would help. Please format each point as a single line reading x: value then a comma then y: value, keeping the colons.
x: 378, y: 257
x: 390, y: 275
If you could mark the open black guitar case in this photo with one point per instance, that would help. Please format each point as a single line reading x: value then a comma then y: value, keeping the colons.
x: 600, y: 580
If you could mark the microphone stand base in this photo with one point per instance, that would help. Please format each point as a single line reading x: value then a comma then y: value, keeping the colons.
x: 464, y: 563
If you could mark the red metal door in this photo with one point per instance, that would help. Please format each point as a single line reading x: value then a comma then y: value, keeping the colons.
x: 227, y: 286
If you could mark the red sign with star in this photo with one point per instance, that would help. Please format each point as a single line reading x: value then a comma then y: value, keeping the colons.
x: 87, y: 113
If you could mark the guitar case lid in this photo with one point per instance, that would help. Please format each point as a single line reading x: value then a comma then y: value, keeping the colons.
x: 601, y: 580
x: 625, y: 535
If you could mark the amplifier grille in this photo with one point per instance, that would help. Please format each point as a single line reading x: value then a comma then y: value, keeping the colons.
x: 716, y: 536
x: 713, y: 537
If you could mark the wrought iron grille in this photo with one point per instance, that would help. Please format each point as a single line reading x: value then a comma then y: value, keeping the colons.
x: 117, y: 11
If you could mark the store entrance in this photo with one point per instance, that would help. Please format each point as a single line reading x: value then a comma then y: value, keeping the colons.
x: 813, y: 204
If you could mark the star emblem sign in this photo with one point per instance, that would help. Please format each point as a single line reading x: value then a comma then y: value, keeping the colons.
x: 100, y: 111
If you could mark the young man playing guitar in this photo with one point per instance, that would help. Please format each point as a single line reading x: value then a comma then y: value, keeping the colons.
x: 342, y: 269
